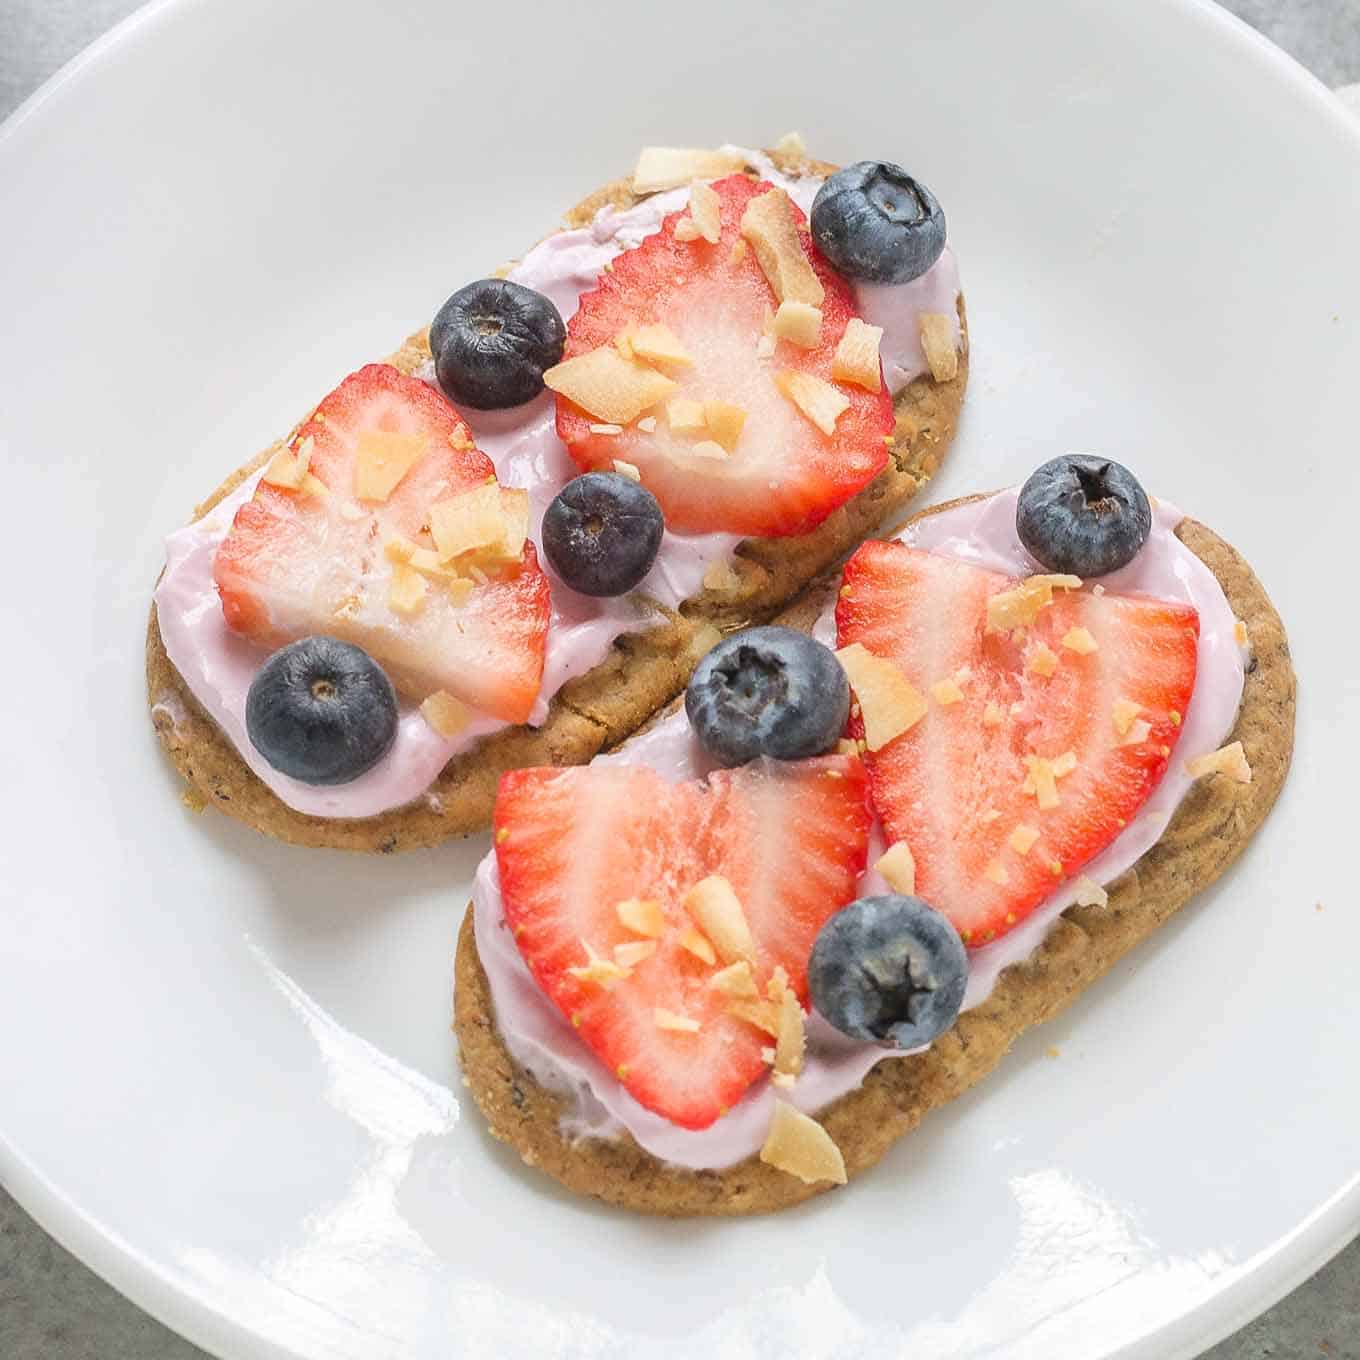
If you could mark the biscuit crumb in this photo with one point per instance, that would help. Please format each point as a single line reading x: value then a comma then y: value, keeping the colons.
x: 196, y: 802
x: 606, y: 429
x: 627, y: 469
x: 1022, y: 839
x: 674, y: 1022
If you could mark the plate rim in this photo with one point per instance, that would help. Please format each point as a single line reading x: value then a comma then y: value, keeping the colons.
x: 1254, y: 1287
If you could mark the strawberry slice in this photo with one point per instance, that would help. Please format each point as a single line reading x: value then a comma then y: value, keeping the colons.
x: 572, y: 844
x: 783, y: 475
x: 314, y: 559
x: 1040, y: 743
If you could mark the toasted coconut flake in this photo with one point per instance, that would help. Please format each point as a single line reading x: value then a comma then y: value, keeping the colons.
x: 633, y: 952
x: 799, y: 323
x: 768, y: 224
x: 718, y: 913
x: 285, y: 470
x: 764, y: 1015
x: 791, y: 1040
x: 736, y: 980
x: 696, y: 943
x: 606, y: 429
x: 674, y: 1022
x: 660, y: 345
x: 643, y: 916
x: 1022, y: 839
x: 382, y: 458
x: 946, y: 692
x: 898, y: 868
x: 1040, y: 782
x: 817, y: 399
x: 406, y: 589
x: 791, y: 144
x: 447, y: 715
x: 1090, y: 893
x: 800, y: 1146
x: 889, y: 703
x: 607, y: 386
x: 668, y: 167
x: 856, y: 359
x: 937, y: 343
x: 685, y: 415
x: 1138, y: 733
x: 488, y: 524
x: 1019, y: 606
x: 1230, y: 760
x: 725, y: 421
x: 1079, y: 640
x: 597, y: 971
x: 1123, y: 714
x: 709, y: 448
x: 705, y: 209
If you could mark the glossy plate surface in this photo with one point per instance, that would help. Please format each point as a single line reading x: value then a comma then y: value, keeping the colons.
x: 229, y: 1082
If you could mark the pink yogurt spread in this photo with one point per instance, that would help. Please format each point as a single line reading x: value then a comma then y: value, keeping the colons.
x: 218, y: 666
x: 983, y: 532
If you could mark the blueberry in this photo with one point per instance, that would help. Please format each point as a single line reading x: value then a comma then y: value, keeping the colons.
x: 767, y: 692
x: 874, y: 222
x: 492, y: 342
x: 1083, y: 515
x: 322, y: 711
x: 889, y: 969
x: 602, y: 532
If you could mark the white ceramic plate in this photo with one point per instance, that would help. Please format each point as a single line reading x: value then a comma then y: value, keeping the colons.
x: 228, y: 1079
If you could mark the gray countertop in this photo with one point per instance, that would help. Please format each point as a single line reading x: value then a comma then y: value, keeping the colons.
x: 53, y: 1308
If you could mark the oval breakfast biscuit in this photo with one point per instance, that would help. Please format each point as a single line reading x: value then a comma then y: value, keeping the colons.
x: 1208, y: 831
x: 642, y: 672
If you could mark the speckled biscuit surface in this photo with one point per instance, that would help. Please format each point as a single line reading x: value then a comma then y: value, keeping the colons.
x: 1208, y: 831
x: 642, y: 672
